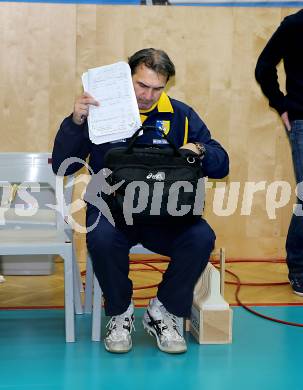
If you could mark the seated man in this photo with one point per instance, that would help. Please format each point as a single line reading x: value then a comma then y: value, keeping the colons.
x: 188, y: 245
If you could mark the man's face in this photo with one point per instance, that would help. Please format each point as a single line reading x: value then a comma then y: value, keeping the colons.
x: 148, y: 86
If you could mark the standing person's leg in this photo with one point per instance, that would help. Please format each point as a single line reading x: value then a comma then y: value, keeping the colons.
x: 189, y: 249
x: 109, y: 249
x: 294, y: 241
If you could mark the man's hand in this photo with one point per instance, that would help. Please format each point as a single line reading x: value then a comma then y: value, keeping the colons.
x: 285, y: 120
x: 192, y: 147
x: 81, y: 107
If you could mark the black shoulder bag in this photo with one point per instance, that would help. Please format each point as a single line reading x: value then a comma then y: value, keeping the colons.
x: 154, y: 185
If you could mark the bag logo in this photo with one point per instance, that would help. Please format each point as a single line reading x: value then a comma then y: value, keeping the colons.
x: 160, y: 176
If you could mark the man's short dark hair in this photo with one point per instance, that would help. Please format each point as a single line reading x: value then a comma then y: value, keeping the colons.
x: 155, y: 59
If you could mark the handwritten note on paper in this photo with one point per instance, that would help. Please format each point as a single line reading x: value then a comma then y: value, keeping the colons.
x: 118, y: 115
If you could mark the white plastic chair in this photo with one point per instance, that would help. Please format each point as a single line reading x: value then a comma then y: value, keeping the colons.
x: 44, y: 232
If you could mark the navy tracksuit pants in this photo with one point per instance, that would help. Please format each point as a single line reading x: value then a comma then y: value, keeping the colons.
x: 188, y: 246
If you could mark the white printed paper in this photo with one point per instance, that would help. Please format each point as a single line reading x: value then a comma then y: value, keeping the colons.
x: 117, y: 115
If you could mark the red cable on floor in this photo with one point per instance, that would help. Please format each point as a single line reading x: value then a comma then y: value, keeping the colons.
x: 238, y: 284
x: 253, y: 311
x: 147, y: 262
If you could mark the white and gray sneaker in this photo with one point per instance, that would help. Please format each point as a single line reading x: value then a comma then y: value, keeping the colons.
x: 163, y: 325
x: 118, y: 336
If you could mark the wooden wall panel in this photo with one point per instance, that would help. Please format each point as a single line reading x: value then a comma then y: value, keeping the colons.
x: 62, y: 57
x: 38, y: 77
x: 46, y: 47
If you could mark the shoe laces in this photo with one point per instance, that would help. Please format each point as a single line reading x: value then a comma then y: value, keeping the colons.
x: 119, y: 327
x: 168, y: 325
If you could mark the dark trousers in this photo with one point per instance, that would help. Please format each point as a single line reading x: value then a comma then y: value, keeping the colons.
x: 294, y: 241
x: 189, y: 248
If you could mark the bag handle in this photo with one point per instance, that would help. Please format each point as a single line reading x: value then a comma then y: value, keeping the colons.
x: 149, y: 128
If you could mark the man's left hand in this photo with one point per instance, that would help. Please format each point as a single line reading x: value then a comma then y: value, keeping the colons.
x: 192, y: 147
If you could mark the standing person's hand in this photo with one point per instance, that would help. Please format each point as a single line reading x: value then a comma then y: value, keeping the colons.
x: 81, y: 107
x: 285, y: 120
